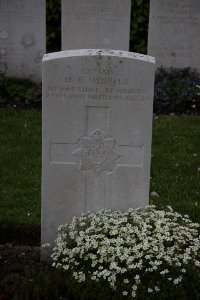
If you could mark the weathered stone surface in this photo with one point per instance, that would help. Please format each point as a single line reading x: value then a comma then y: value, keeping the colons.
x: 22, y: 38
x: 95, y: 24
x: 97, y: 123
x: 174, y: 28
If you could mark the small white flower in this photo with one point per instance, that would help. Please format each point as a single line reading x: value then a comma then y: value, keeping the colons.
x: 154, y: 194
x: 66, y: 267
x: 46, y: 245
x: 176, y: 281
x: 198, y: 169
x: 183, y: 270
x: 164, y: 272
x: 133, y: 294
x: 170, y: 208
x: 142, y: 237
x: 125, y: 293
x: 134, y: 287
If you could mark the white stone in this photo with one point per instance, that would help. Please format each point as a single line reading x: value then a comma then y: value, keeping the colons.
x: 22, y: 38
x: 96, y: 24
x: 97, y: 126
x: 174, y: 27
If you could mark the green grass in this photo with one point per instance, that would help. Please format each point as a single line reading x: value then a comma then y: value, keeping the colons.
x: 20, y: 168
x: 175, y: 163
x: 175, y: 175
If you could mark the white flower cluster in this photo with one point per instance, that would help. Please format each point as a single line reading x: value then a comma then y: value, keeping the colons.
x: 121, y: 247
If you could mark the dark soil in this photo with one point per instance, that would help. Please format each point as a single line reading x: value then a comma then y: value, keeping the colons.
x: 23, y: 276
x: 14, y: 258
x: 19, y: 247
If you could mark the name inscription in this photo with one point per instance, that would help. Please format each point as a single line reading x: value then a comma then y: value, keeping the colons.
x: 175, y: 51
x: 20, y: 8
x: 174, y: 12
x: 95, y: 88
x: 93, y: 93
x: 102, y: 81
x: 177, y: 18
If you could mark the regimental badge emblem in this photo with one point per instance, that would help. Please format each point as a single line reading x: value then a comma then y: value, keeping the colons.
x: 97, y: 152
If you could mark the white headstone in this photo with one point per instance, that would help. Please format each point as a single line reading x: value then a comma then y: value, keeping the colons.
x: 96, y: 24
x: 97, y: 126
x: 22, y: 38
x: 174, y: 27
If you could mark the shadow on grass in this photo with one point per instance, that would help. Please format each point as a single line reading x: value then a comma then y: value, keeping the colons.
x: 20, y: 234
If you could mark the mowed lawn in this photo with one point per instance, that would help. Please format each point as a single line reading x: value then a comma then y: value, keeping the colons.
x: 20, y: 166
x: 175, y: 168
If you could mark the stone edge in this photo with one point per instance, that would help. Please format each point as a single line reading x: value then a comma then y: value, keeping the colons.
x: 98, y: 52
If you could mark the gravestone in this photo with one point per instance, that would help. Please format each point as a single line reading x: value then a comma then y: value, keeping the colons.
x: 97, y: 125
x: 174, y: 27
x: 96, y: 24
x: 22, y: 38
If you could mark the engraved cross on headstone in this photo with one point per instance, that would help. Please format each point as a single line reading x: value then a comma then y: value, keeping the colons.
x: 96, y: 154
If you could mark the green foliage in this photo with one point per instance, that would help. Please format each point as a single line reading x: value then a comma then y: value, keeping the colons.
x: 146, y: 254
x: 19, y: 92
x: 45, y: 283
x: 176, y: 91
x: 140, y: 254
x: 174, y: 168
x: 53, y: 25
x: 34, y: 284
x: 82, y: 291
x: 175, y: 178
x: 20, y: 156
x: 188, y: 290
x: 139, y: 26
x: 175, y: 174
x: 138, y: 34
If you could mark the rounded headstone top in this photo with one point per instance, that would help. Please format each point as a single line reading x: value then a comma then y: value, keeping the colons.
x: 98, y: 52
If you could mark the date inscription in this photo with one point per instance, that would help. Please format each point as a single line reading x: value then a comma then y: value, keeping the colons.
x: 176, y: 12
